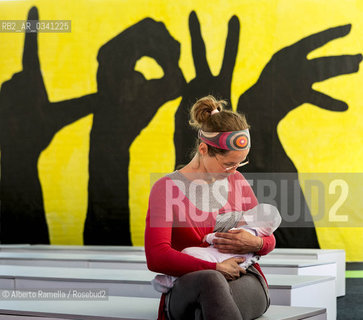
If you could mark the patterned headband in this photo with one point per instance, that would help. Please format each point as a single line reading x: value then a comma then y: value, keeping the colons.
x: 232, y: 140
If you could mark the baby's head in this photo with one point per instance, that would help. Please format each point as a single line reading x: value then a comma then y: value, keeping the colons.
x: 263, y: 216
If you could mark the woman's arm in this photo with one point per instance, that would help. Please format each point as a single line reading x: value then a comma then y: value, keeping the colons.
x: 160, y: 255
x: 240, y: 242
x: 268, y: 245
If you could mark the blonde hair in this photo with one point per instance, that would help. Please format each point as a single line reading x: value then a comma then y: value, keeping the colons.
x: 201, y: 117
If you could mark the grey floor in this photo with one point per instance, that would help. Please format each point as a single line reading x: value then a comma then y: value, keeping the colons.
x: 350, y: 307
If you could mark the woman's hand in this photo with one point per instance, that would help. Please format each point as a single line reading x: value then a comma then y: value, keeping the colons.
x: 237, y: 242
x: 230, y: 268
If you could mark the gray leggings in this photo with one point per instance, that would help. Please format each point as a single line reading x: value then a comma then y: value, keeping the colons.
x: 207, y: 295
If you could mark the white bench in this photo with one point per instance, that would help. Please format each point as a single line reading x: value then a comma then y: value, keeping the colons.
x: 128, y: 261
x: 309, y: 291
x: 336, y: 255
x: 279, y: 253
x: 14, y: 246
x: 133, y: 283
x: 298, y: 267
x: 124, y: 308
x: 138, y: 262
x: 316, y: 291
x: 137, y: 250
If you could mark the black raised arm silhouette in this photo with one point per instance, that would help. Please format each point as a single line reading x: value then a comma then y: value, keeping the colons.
x: 203, y: 84
x: 284, y: 84
x: 28, y: 122
x: 124, y: 104
x: 127, y: 104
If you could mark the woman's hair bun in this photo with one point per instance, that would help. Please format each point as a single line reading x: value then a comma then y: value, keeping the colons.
x: 201, y: 111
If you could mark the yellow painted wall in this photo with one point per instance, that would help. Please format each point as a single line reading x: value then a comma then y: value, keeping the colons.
x: 316, y: 140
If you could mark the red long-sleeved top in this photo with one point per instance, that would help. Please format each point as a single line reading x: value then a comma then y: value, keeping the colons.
x: 174, y: 223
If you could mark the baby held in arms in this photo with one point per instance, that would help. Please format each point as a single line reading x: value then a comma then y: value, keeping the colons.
x: 262, y: 220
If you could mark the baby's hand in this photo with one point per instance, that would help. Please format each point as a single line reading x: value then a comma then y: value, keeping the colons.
x: 209, y: 238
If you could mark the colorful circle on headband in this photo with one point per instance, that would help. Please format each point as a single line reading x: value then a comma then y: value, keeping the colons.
x: 232, y: 140
x: 240, y: 141
x: 237, y: 140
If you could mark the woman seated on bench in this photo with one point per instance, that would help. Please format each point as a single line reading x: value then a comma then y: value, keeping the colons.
x: 180, y: 216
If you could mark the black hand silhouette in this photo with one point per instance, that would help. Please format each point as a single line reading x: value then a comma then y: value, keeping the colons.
x: 203, y: 84
x: 23, y: 134
x: 285, y: 83
x: 23, y: 98
x: 28, y: 123
x: 127, y: 104
x: 288, y: 77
